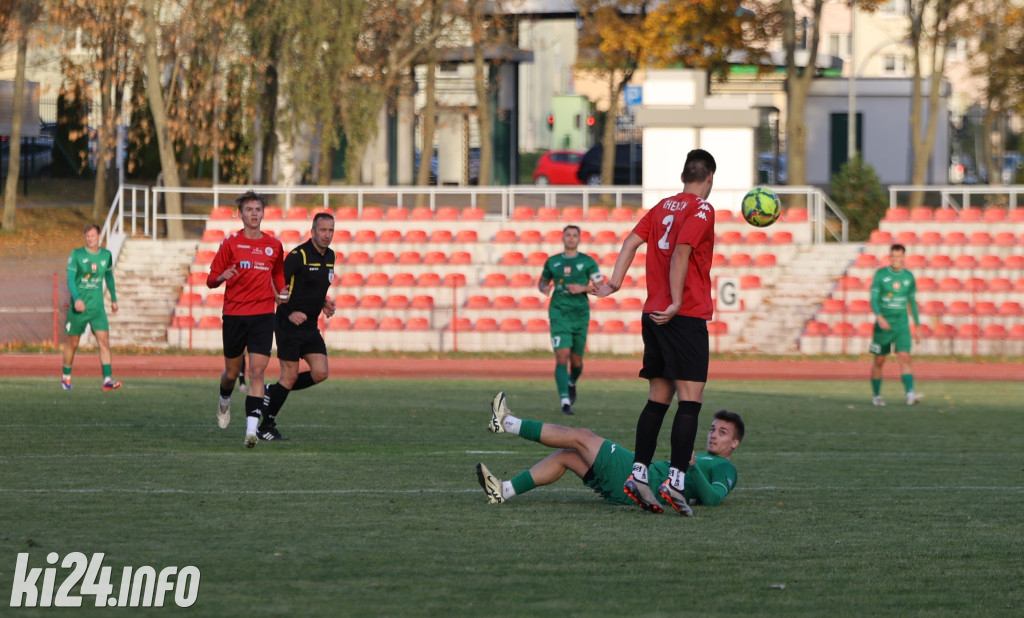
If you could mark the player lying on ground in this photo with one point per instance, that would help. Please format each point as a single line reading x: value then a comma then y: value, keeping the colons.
x: 604, y: 465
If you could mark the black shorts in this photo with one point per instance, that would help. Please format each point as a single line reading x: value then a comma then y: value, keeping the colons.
x: 255, y: 332
x: 677, y: 350
x: 294, y: 343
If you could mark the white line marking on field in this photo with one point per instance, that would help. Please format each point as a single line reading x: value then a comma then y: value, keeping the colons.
x: 272, y: 492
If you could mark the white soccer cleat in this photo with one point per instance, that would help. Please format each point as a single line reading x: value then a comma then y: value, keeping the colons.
x: 490, y: 483
x: 877, y: 401
x: 913, y: 398
x: 224, y: 413
x: 250, y: 440
x: 498, y: 413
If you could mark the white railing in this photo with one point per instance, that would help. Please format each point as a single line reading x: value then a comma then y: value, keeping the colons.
x: 958, y: 197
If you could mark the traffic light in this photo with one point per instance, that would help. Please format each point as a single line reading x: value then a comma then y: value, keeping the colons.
x: 591, y: 121
x: 551, y: 122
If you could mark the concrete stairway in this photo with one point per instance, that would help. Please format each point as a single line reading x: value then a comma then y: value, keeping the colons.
x: 800, y: 288
x: 149, y: 276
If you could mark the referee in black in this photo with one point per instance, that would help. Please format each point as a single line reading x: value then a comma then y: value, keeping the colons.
x: 308, y: 273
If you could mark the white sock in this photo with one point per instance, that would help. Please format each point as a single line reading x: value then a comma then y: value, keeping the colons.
x: 65, y: 377
x: 512, y: 424
x: 639, y: 472
x: 506, y: 490
x: 565, y: 401
x: 676, y: 478
x: 250, y: 424
x: 225, y: 399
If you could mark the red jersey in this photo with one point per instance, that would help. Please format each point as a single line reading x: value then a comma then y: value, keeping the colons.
x: 260, y: 262
x: 686, y: 219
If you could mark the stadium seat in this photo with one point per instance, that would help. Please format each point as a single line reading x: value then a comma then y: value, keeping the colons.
x: 365, y: 323
x: 417, y: 324
x: 897, y: 213
x: 793, y: 215
x: 523, y: 213
x: 390, y: 236
x: 532, y: 236
x: 965, y: 260
x: 950, y: 284
x: 346, y: 213
x: 846, y: 282
x: 372, y: 213
x: 944, y: 331
x: 717, y: 260
x: 915, y: 261
x: 446, y: 213
x: 981, y: 239
x: 371, y: 301
x: 365, y: 236
x: 598, y: 214
x: 210, y: 321
x: 396, y: 301
x: 959, y: 307
x: 505, y: 303
x: 415, y: 236
x: 880, y: 237
x: 623, y: 214
x: 435, y: 257
x: 531, y: 302
x: 1000, y: 284
x: 460, y: 324
x: 537, y: 325
x: 945, y: 215
x: 906, y: 238
x: 553, y: 237
x: 605, y: 304
x: 985, y: 308
x: 631, y: 303
x: 472, y: 214
x: 422, y: 301
x: 1016, y: 215
x: 467, y: 236
x: 990, y: 261
x: 377, y: 280
x: 756, y: 237
x: 613, y: 326
x: 833, y: 306
x: 1014, y: 261
x: 196, y: 279
x: 732, y: 237
x: 521, y: 280
x: 940, y: 260
x: 586, y: 237
x: 486, y: 325
x: 1017, y: 331
x: 921, y: 213
x: 190, y: 299
x: 290, y: 238
x: 204, y: 257
x: 504, y: 236
x: 457, y: 280
x: 925, y: 284
x: 608, y: 259
x: 428, y: 280
x: 495, y: 280
x: 718, y: 328
x: 753, y: 282
x: 782, y: 238
x: 765, y: 260
x: 930, y: 238
x: 272, y: 213
x: 391, y: 323
x: 815, y: 328
x: 346, y: 301
x: 995, y: 331
x: 547, y: 214
x: 572, y: 213
x: 933, y: 307
x: 512, y: 258
x: 212, y: 236
x: 352, y: 279
x: 511, y: 325
x: 860, y: 306
x: 968, y: 330
x: 955, y: 238
x: 410, y: 257
x: 342, y: 236
x: 421, y: 213
x: 1010, y: 308
x: 639, y: 259
x: 214, y: 299
x: 866, y: 329
x: 866, y: 260
x: 606, y: 237
x: 297, y: 213
x: 1004, y: 239
x: 970, y: 214
x: 635, y: 326
x: 740, y: 259
x: 460, y: 258
x: 441, y: 236
x: 844, y: 329
x: 222, y: 212
x: 536, y: 258
x: 182, y: 321
x: 975, y: 284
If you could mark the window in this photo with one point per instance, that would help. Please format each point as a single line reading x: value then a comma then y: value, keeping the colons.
x: 839, y: 46
x: 956, y: 50
x: 896, y: 7
x: 894, y: 65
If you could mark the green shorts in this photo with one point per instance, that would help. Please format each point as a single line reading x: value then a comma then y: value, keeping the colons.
x: 569, y: 335
x: 94, y: 314
x: 883, y: 341
x: 612, y: 466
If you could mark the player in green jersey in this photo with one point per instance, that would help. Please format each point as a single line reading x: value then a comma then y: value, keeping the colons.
x: 892, y: 294
x: 88, y: 268
x: 603, y: 465
x: 566, y: 277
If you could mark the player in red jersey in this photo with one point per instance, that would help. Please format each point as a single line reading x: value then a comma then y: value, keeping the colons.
x: 251, y: 263
x: 680, y: 237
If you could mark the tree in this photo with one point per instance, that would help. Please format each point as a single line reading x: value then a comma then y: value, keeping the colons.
x: 27, y: 12
x: 619, y: 37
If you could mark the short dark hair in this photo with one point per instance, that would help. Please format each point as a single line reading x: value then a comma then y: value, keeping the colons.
x: 571, y: 226
x: 92, y: 226
x: 733, y: 418
x: 321, y: 215
x: 699, y: 165
x: 897, y: 247
x: 250, y: 196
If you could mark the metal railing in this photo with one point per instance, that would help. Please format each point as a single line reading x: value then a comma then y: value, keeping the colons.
x: 959, y: 197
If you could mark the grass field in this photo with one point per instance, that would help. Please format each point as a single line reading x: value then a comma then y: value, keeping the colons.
x: 372, y: 508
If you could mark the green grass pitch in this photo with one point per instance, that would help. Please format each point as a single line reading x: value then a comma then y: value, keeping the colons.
x: 372, y: 507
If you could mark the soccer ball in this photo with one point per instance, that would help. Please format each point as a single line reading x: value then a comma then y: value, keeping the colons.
x: 761, y: 207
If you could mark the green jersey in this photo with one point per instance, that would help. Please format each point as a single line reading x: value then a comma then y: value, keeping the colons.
x: 86, y: 274
x: 580, y: 269
x: 891, y: 292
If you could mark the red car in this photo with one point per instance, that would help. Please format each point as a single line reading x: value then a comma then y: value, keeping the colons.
x: 558, y: 167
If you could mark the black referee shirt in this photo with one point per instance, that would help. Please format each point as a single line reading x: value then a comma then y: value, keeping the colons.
x: 308, y: 276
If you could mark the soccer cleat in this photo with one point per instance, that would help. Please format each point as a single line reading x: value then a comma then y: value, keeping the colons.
x: 572, y: 393
x: 270, y: 433
x: 224, y: 413
x: 675, y: 498
x: 913, y: 398
x: 641, y: 493
x: 65, y: 384
x: 490, y: 483
x: 250, y: 440
x: 567, y: 409
x: 499, y: 410
x: 877, y: 401
x: 111, y: 385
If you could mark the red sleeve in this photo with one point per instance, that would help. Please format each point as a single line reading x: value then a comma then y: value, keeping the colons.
x: 278, y: 270
x: 221, y: 262
x: 643, y: 227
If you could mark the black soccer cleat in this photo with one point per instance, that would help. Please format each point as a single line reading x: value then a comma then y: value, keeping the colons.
x: 567, y: 409
x: 270, y: 433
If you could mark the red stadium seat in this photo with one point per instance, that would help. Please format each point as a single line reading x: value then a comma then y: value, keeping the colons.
x: 410, y: 257
x: 970, y: 214
x: 182, y: 321
x: 426, y: 280
x: 212, y: 236
x: 512, y: 325
x: 844, y: 329
x: 505, y: 303
x: 272, y: 213
x: 204, y: 257
x: 969, y: 330
x: 460, y: 324
x: 846, y: 282
x: 572, y: 213
x: 346, y: 213
x: 717, y: 260
x: 473, y: 214
x: 606, y: 237
x: 950, y: 284
x: 346, y: 301
x: 926, y: 284
x: 718, y: 328
x: 297, y: 213
x: 740, y: 259
x: 421, y: 213
x: 422, y: 301
x: 290, y: 237
x: 955, y: 238
x: 352, y: 279
x: 512, y: 258
x: 417, y: 324
x: 965, y: 260
x: 989, y: 261
x: 897, y: 213
x: 975, y: 284
x: 214, y: 299
x: 521, y: 280
x: 921, y: 213
x: 495, y: 280
x: 222, y: 212
x: 753, y: 282
x: 415, y: 236
x: 377, y: 280
x: 435, y: 257
x: 365, y: 323
x: 547, y: 214
x: 1017, y: 331
x: 523, y: 213
x: 635, y: 326
x: 537, y: 325
x: 210, y: 321
x: 613, y: 326
x: 478, y: 301
x: 371, y: 301
x: 866, y: 260
x: 944, y: 331
x: 1005, y: 239
x: 765, y: 260
x: 999, y: 284
x: 931, y: 238
x: 504, y: 236
x: 195, y: 279
x: 940, y: 260
x: 606, y: 304
x: 390, y: 236
x: 906, y: 238
x: 959, y: 307
x: 1016, y: 215
x: 441, y: 236
x: 982, y: 239
x: 396, y: 301
x: 985, y: 308
x: 391, y: 323
x: 460, y: 258
x: 457, y: 280
x: 833, y: 305
x: 598, y: 214
x: 532, y: 236
x: 342, y: 236
x: 1010, y: 308
x: 860, y: 306
x: 756, y: 237
x: 531, y: 302
x: 447, y: 213
x: 915, y: 261
x: 793, y: 215
x: 536, y: 258
x: 933, y: 307
x: 866, y: 329
x: 365, y: 236
x: 995, y: 331
x: 1014, y: 261
x: 486, y: 325
x: 623, y: 214
x: 732, y: 237
x: 372, y: 213
x: 782, y: 238
x: 880, y: 237
x: 190, y: 299
x: 631, y: 303
x: 814, y: 328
